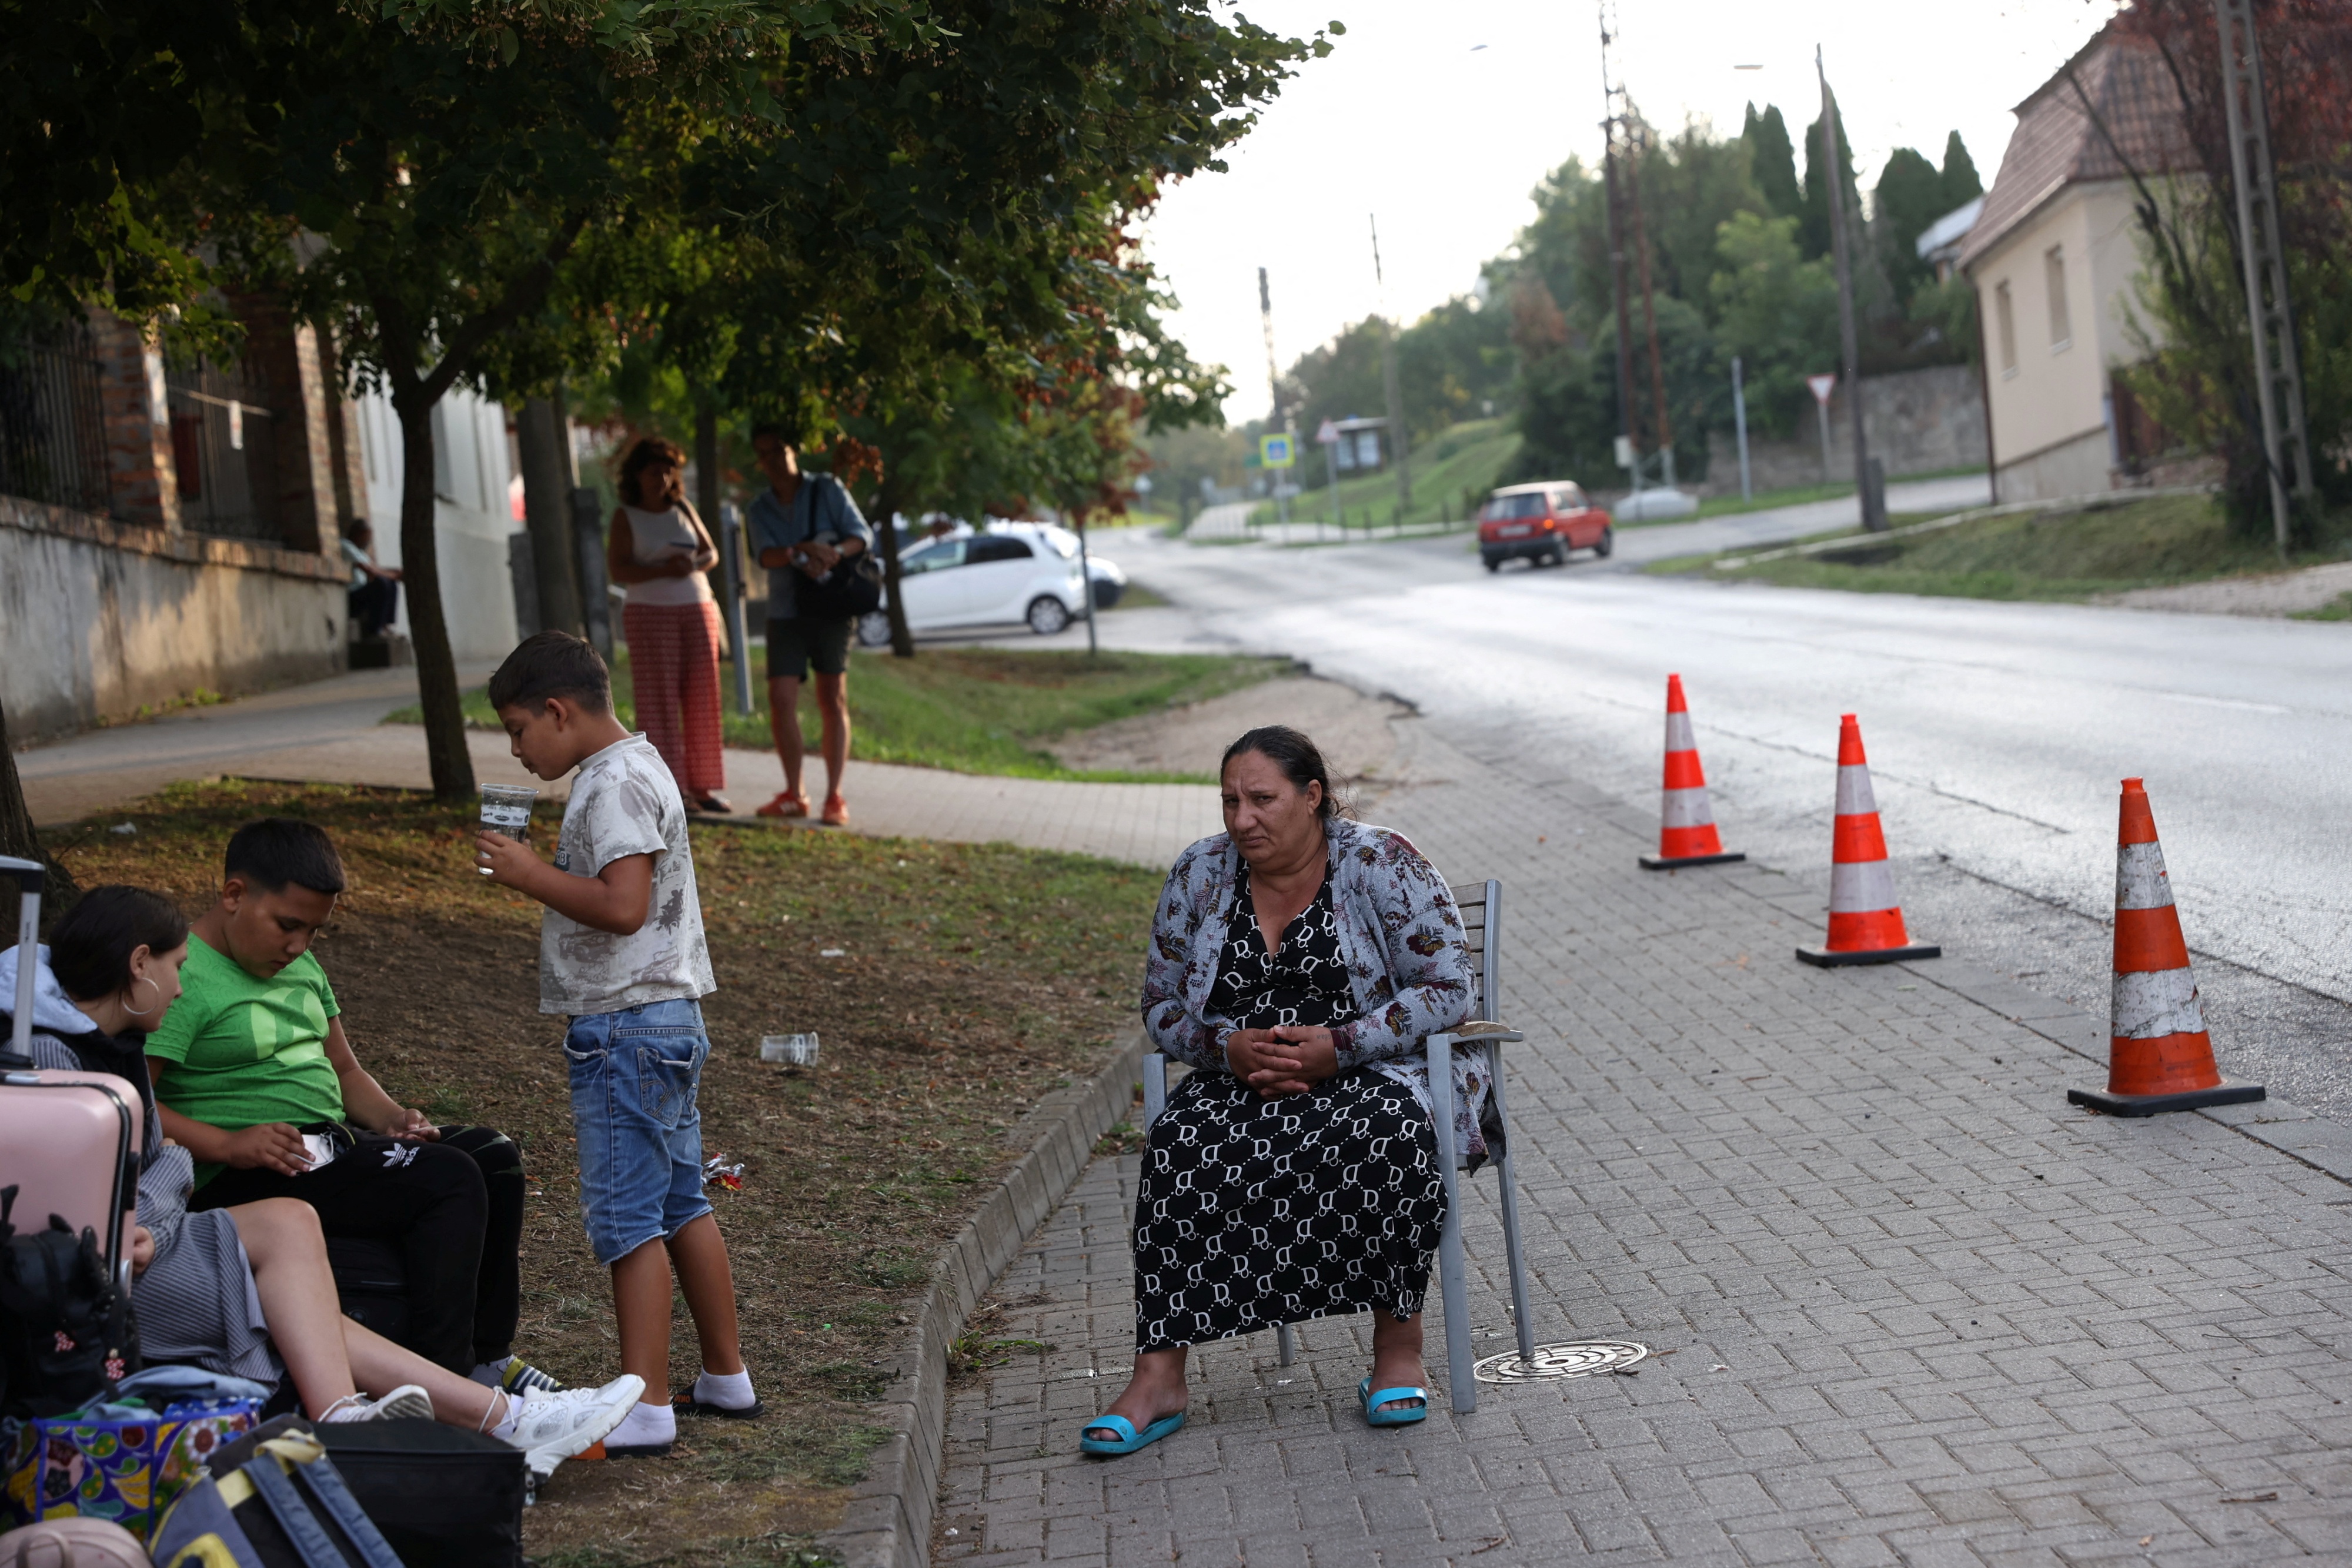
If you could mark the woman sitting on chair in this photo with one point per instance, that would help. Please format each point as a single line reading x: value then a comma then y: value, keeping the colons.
x: 1299, y: 960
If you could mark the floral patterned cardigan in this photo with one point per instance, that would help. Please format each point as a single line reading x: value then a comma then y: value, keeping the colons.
x: 1400, y: 936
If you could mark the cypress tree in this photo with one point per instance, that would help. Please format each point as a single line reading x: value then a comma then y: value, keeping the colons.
x: 1773, y: 161
x: 1961, y: 186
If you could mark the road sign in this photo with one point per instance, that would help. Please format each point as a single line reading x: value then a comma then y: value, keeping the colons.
x: 1823, y: 386
x: 1624, y: 452
x: 1328, y: 435
x: 1276, y: 451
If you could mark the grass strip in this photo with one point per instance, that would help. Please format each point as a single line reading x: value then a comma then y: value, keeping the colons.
x: 972, y: 710
x: 971, y: 980
x: 2074, y: 554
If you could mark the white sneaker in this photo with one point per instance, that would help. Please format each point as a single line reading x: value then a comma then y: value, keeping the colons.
x: 409, y: 1402
x: 551, y: 1427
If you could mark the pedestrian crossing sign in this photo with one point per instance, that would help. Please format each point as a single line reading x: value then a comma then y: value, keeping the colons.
x: 1276, y: 451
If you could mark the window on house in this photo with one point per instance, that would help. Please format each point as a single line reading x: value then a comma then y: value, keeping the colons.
x: 2004, y: 310
x: 2054, y: 272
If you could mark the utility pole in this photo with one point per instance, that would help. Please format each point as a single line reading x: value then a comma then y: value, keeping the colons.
x: 1613, y: 117
x: 1389, y: 377
x: 1666, y: 430
x: 1740, y: 422
x: 1866, y: 475
x: 2278, y: 369
x: 1274, y: 419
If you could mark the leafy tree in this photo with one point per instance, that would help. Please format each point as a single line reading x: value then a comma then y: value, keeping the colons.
x: 1778, y: 311
x: 1568, y: 416
x: 1691, y: 185
x: 1773, y: 161
x: 2198, y: 379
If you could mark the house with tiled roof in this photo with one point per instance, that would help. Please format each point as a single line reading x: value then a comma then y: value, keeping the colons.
x: 2056, y: 259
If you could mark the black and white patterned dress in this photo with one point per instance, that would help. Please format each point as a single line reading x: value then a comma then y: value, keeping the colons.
x: 1253, y: 1212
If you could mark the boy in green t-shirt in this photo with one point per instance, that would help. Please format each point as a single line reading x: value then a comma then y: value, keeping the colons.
x: 255, y: 1076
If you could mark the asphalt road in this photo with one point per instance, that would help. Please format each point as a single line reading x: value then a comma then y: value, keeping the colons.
x: 1997, y: 735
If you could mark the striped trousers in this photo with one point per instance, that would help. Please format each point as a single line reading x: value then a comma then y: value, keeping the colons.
x: 674, y: 680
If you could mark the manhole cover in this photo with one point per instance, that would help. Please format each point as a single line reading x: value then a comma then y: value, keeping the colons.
x: 1582, y: 1358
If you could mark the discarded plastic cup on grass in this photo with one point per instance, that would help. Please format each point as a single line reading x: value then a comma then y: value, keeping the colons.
x: 506, y: 808
x: 791, y: 1049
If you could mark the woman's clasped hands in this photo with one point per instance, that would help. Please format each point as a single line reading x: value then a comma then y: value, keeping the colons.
x: 1289, y: 1059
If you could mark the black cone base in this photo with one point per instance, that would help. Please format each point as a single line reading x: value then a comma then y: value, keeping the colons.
x: 2229, y: 1092
x: 1654, y: 863
x: 1823, y: 959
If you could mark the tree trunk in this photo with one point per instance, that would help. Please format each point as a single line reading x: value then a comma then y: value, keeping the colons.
x: 20, y: 840
x: 543, y: 435
x: 420, y: 570
x: 887, y: 503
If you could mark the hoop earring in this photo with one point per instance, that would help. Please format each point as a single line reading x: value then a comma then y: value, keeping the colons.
x: 143, y: 1012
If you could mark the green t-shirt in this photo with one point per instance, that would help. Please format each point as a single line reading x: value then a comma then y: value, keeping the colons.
x: 240, y: 1050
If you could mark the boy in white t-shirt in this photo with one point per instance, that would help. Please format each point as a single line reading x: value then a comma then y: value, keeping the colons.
x: 621, y: 953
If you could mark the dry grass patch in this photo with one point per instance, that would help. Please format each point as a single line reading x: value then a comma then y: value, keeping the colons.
x: 970, y: 982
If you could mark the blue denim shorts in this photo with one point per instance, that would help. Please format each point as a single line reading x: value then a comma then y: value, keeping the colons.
x: 634, y: 1077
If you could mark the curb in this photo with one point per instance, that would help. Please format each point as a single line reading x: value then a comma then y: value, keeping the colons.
x: 889, y: 1520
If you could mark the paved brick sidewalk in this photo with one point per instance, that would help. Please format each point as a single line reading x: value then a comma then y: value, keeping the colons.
x: 1910, y: 1307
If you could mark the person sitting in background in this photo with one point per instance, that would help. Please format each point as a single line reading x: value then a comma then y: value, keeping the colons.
x: 375, y: 590
x: 1297, y: 962
x: 258, y: 1081
x: 235, y: 1290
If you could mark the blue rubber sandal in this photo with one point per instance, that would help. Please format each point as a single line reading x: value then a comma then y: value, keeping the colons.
x: 1133, y: 1440
x: 1373, y: 1400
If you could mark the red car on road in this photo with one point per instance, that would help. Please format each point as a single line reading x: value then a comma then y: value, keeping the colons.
x: 1542, y: 522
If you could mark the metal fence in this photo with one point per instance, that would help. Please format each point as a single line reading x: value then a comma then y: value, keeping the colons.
x: 223, y: 450
x: 52, y: 422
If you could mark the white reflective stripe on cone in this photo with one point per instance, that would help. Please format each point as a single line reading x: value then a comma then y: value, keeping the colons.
x: 2140, y: 881
x: 1678, y: 733
x: 1853, y: 795
x: 2151, y: 1006
x: 1861, y: 887
x: 1686, y: 809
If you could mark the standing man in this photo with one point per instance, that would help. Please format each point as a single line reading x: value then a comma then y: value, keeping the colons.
x: 803, y: 526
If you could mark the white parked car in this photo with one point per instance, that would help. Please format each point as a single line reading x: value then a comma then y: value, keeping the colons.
x: 1652, y: 506
x: 1013, y: 574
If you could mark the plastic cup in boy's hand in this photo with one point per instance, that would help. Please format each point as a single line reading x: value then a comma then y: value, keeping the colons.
x: 505, y: 809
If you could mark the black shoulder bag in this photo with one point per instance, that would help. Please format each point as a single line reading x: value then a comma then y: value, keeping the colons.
x: 852, y: 589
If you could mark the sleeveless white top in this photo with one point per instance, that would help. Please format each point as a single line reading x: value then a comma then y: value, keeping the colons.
x: 651, y: 535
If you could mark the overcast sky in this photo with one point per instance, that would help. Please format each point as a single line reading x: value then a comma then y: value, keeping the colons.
x: 1411, y: 120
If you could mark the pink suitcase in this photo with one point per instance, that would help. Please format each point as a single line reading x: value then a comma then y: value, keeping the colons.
x: 68, y: 1141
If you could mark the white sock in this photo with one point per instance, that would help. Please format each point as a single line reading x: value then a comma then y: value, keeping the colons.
x: 726, y: 1390
x: 645, y: 1426
x: 513, y: 1411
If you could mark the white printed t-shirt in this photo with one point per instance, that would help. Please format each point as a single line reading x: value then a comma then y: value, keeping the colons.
x: 624, y: 802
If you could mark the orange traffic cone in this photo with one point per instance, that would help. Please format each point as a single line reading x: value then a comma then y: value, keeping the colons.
x: 1686, y: 834
x: 2159, y: 1057
x: 1865, y: 923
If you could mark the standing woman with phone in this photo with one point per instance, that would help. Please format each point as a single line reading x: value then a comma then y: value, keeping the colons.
x: 658, y: 550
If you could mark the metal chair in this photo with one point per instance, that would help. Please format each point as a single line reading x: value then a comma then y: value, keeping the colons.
x: 1482, y: 926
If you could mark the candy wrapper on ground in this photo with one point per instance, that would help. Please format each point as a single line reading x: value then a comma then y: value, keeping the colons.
x: 126, y: 1468
x: 726, y: 1176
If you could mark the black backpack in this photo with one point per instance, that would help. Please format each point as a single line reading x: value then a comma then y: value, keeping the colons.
x: 66, y: 1333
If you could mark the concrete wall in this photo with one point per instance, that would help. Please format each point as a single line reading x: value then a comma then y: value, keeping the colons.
x: 97, y: 618
x: 472, y: 511
x: 1917, y: 422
